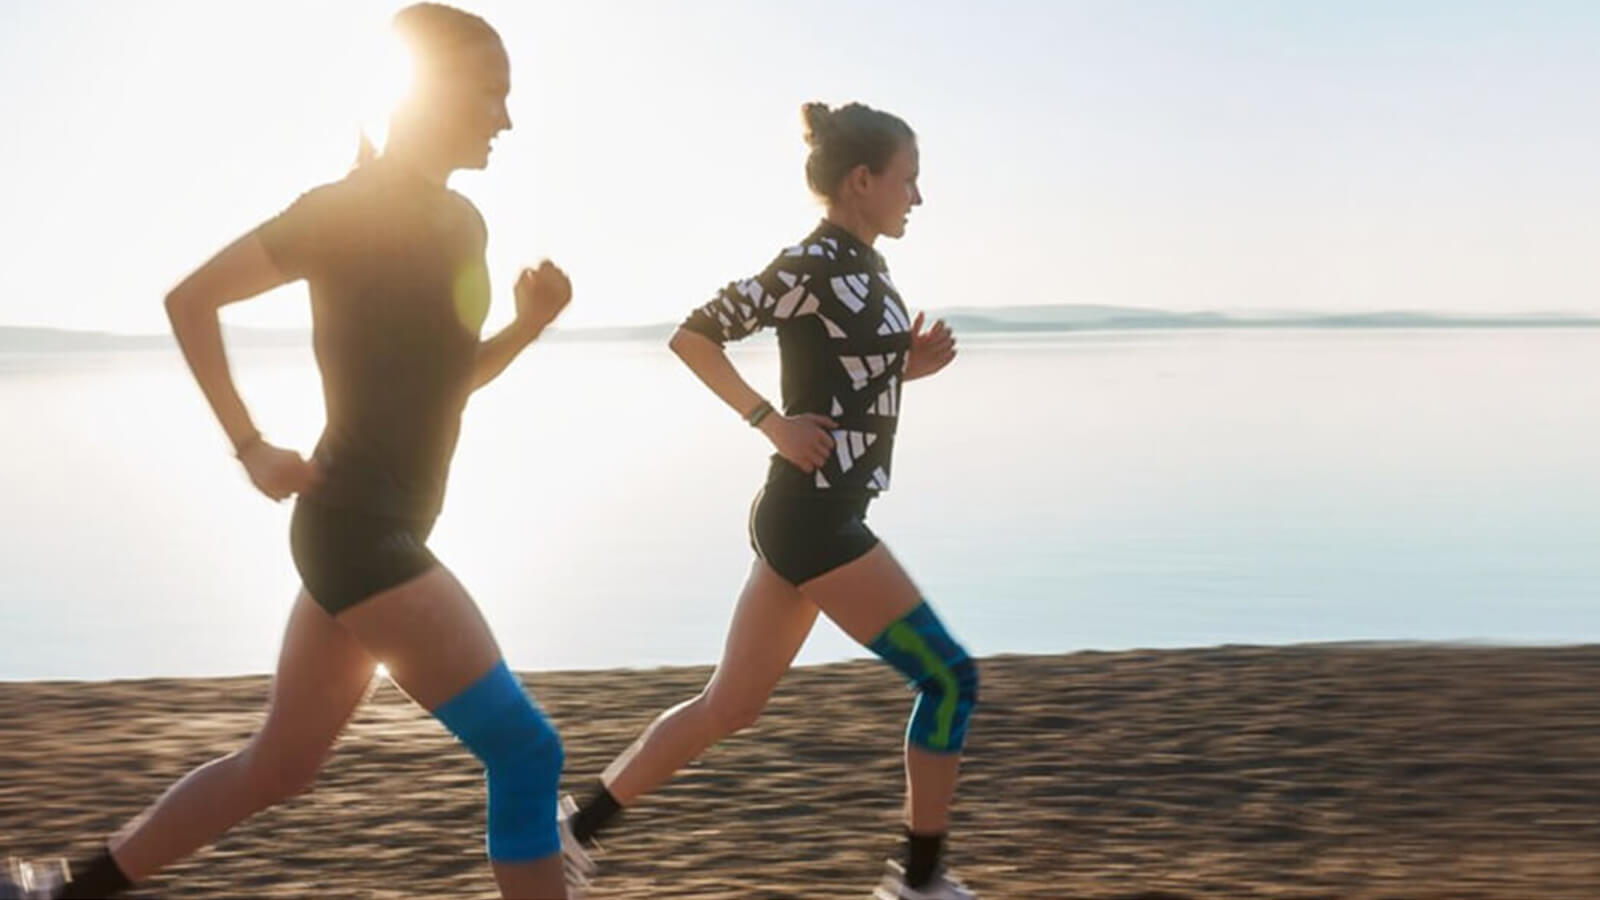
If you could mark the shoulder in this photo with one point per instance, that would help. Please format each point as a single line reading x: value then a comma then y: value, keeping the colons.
x: 813, y: 248
x: 811, y: 256
x: 329, y: 200
x: 470, y: 219
x: 824, y: 251
x: 470, y: 208
x: 358, y: 182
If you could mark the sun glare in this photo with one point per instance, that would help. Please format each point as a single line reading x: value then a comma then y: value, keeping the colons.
x: 378, y: 72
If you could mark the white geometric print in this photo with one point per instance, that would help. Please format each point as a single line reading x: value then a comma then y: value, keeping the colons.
x: 789, y: 301
x: 844, y: 287
x: 864, y: 325
x: 857, y: 370
x: 894, y: 321
x: 885, y: 404
x: 841, y: 448
x: 807, y: 250
x: 751, y: 288
x: 850, y: 446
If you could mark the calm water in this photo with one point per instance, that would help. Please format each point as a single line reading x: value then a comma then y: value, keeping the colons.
x: 1051, y: 493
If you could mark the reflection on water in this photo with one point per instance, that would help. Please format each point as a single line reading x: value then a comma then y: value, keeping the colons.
x: 1052, y: 492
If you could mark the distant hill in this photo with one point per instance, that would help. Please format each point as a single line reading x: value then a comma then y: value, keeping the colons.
x: 1108, y: 318
x: 965, y: 319
x: 61, y: 340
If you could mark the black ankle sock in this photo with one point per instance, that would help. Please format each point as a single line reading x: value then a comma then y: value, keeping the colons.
x: 595, y: 814
x: 922, y: 857
x: 97, y: 878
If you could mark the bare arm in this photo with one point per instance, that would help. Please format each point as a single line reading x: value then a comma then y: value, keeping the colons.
x: 498, y: 351
x: 802, y: 439
x: 238, y: 272
x: 709, y: 362
x: 541, y: 294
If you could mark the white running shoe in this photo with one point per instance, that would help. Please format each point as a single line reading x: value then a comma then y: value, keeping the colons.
x: 576, y: 860
x: 942, y: 887
x: 32, y: 881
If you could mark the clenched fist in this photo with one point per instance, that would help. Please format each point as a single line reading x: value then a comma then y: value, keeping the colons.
x: 542, y: 294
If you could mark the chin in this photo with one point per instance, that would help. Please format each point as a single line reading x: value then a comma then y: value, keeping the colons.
x: 476, y: 158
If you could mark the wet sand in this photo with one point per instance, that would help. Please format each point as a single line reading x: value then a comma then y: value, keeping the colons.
x: 1296, y: 772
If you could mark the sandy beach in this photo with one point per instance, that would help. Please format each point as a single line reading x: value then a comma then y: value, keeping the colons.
x: 1297, y: 772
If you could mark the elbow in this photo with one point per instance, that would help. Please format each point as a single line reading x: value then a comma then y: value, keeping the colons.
x: 684, y: 343
x: 183, y: 304
x: 175, y: 303
x: 179, y: 301
x: 679, y: 342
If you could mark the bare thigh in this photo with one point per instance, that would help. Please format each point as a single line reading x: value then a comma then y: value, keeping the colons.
x: 434, y: 640
x: 866, y: 595
x: 429, y: 633
x: 770, y: 625
x: 323, y: 675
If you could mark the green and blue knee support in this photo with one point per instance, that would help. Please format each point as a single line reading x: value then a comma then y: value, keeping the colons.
x: 944, y: 676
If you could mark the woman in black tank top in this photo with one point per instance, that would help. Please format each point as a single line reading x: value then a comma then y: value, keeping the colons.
x: 395, y: 265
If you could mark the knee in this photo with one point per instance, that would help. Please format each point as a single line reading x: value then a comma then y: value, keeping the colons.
x: 274, y: 775
x: 540, y: 756
x: 523, y: 777
x: 522, y: 758
x: 729, y: 714
x: 943, y: 710
x: 943, y: 674
x: 967, y: 679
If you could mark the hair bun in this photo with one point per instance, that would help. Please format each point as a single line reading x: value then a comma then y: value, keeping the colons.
x: 818, y: 117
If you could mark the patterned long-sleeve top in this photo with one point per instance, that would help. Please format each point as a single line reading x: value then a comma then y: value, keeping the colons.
x: 843, y: 335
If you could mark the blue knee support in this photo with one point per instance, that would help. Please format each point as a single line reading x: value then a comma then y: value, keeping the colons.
x: 522, y: 760
x: 946, y: 679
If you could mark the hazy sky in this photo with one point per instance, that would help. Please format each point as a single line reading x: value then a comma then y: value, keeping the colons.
x: 1227, y: 154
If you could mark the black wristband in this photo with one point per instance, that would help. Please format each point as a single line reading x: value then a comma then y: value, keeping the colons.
x: 755, y: 416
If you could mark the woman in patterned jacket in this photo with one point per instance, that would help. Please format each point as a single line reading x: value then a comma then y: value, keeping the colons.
x: 847, y: 346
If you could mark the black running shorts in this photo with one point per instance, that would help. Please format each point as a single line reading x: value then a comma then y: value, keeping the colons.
x: 346, y: 555
x: 802, y: 536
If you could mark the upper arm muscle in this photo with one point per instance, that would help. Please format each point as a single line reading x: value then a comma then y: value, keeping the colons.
x: 239, y: 271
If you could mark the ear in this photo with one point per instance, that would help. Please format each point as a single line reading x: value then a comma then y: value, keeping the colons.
x: 859, y: 179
